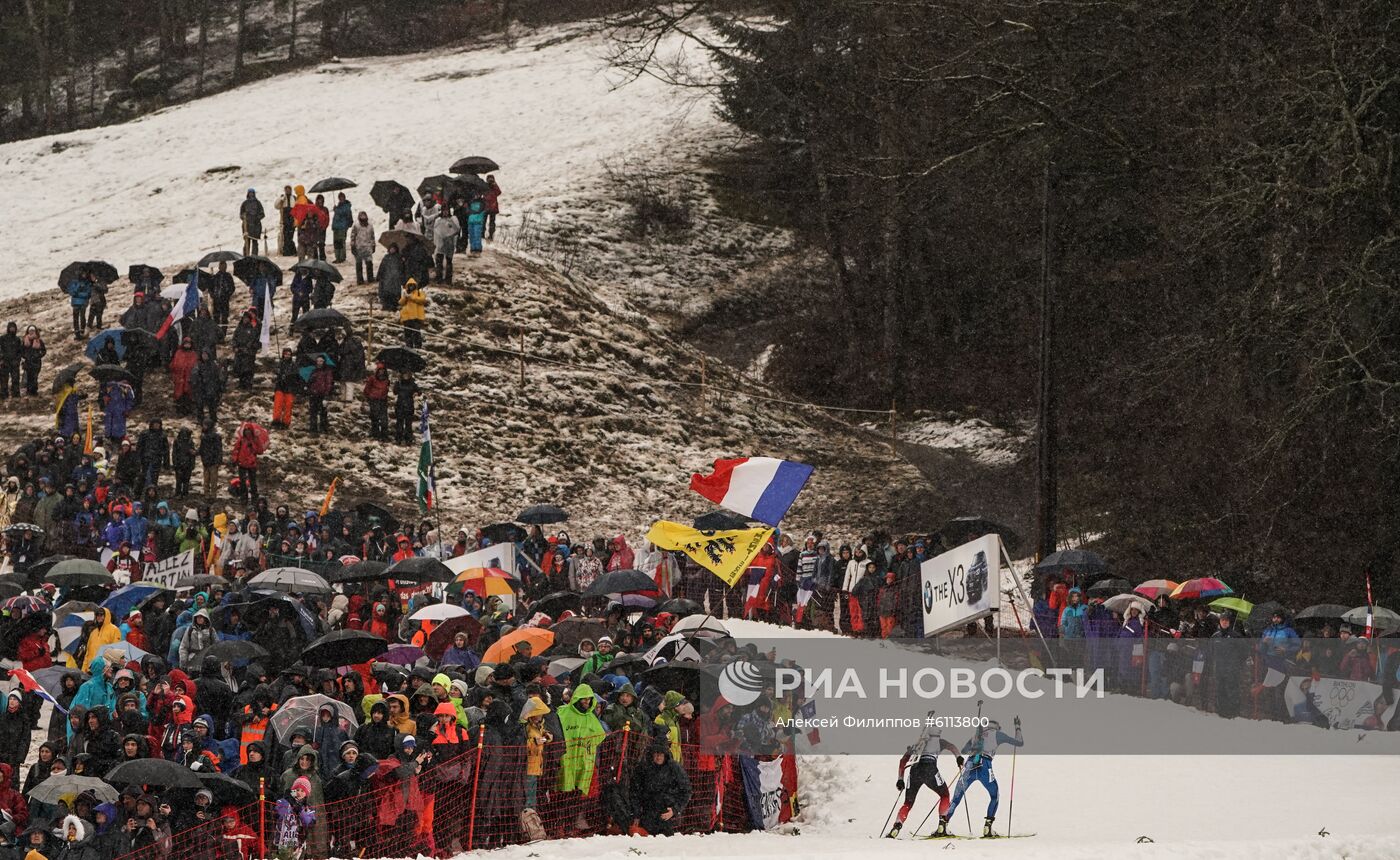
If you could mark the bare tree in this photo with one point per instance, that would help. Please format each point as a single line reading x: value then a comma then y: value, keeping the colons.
x: 239, y: 43
x: 203, y: 44
x: 292, y: 50
x: 38, y: 18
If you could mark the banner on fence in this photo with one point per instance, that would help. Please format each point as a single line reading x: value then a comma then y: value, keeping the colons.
x: 765, y: 792
x: 170, y: 570
x: 1345, y: 704
x: 962, y: 585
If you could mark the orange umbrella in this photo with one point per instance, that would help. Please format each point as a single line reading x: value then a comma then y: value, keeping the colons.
x: 539, y: 639
x: 485, y: 581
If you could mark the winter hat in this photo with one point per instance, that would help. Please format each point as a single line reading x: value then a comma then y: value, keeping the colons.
x: 349, y: 745
x: 502, y: 672
x: 204, y: 793
x: 409, y: 741
x: 445, y: 709
x: 302, y: 784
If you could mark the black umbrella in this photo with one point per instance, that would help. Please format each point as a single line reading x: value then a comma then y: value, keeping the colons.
x: 680, y: 606
x: 361, y: 571
x: 320, y: 267
x: 403, y: 237
x: 67, y: 376
x: 372, y: 513
x: 555, y: 604
x: 334, y: 183
x: 571, y: 631
x: 39, y: 569
x: 504, y: 533
x: 153, y: 771
x: 620, y: 581
x: 471, y: 183
x: 227, y: 791
x: 720, y: 521
x: 684, y: 678
x: 1319, y: 612
x: 440, y: 184
x: 100, y: 271
x: 231, y: 650
x: 140, y: 273
x: 960, y: 530
x: 201, y: 580
x: 105, y: 373
x: 11, y: 588
x: 542, y: 515
x: 419, y: 568
x: 1109, y: 587
x: 343, y: 648
x: 474, y: 164
x: 249, y: 269
x: 391, y: 196
x: 213, y: 257
x: 20, y: 528
x: 319, y: 318
x: 184, y: 276
x: 401, y: 358
x: 78, y: 572
x: 1081, y: 562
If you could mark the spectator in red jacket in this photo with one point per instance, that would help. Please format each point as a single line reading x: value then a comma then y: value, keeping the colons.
x: 377, y: 395
x: 319, y: 387
x: 492, y: 198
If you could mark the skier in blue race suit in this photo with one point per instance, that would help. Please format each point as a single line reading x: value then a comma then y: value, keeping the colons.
x: 979, y: 751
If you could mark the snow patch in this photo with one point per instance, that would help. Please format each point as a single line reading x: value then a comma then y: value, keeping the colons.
x: 988, y: 444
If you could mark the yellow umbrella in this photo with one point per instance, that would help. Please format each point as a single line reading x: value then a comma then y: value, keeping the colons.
x: 485, y: 581
x: 539, y: 639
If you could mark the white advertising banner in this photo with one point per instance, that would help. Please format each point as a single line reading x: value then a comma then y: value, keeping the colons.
x: 501, y: 556
x: 961, y: 585
x: 1345, y: 704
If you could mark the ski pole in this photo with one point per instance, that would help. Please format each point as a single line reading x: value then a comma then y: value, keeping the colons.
x: 966, y: 813
x: 885, y: 829
x: 1011, y: 802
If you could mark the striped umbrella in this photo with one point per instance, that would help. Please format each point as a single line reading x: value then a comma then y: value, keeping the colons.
x: 24, y: 604
x: 1204, y: 588
x: 1155, y: 588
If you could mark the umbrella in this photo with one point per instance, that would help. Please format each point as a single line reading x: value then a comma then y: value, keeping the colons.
x: 76, y: 607
x: 474, y: 164
x: 202, y: 580
x: 20, y: 528
x: 627, y: 662
x: 1237, y: 605
x: 440, y: 184
x: 360, y: 571
x: 51, y: 679
x: 391, y: 196
x: 295, y: 580
x: 302, y: 710
x: 680, y: 607
x: 1203, y: 588
x: 24, y: 604
x: 557, y: 603
x: 77, y: 572
x: 101, y: 271
x: 140, y: 273
x: 54, y: 788
x: 227, y: 791
x: 44, y: 565
x: 251, y: 268
x: 469, y: 183
x: 1109, y: 587
x: 677, y: 647
x: 129, y: 653
x: 960, y: 530
x: 1155, y: 588
x: 403, y: 237
x: 255, y: 609
x: 542, y: 515
x: 438, y: 612
x: 213, y: 257
x: 343, y: 648
x: 539, y: 639
x: 231, y: 651
x: 402, y: 655
x: 184, y: 276
x: 419, y: 568
x: 565, y: 666
x: 259, y: 438
x: 700, y: 624
x: 124, y: 599
x: 720, y: 521
x: 306, y: 370
x: 174, y: 293
x: 1120, y: 602
x: 320, y: 267
x: 319, y: 318
x: 441, y: 637
x: 571, y: 631
x: 485, y: 581
x: 684, y: 678
x: 94, y: 345
x: 370, y: 512
x: 154, y: 771
x: 66, y: 377
x: 10, y: 589
x: 504, y: 533
x: 401, y: 358
x: 1081, y: 562
x: 333, y: 183
x: 105, y: 373
x: 1381, y: 618
x: 619, y: 581
x: 1321, y: 612
x: 636, y: 599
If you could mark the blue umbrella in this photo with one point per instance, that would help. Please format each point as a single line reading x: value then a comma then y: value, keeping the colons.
x: 95, y: 345
x: 124, y: 599
x: 305, y: 370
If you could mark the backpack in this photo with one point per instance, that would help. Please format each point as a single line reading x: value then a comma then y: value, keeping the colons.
x: 531, y: 826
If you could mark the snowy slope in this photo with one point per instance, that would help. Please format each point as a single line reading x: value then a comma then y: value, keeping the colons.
x: 546, y: 110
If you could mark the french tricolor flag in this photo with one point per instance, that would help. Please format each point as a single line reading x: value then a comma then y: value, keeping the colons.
x: 186, y: 307
x: 29, y: 685
x: 761, y: 488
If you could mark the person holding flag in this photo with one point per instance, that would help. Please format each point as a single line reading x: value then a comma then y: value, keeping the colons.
x: 187, y: 306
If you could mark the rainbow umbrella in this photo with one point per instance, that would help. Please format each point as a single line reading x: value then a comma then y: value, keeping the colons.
x: 1203, y: 588
x: 1241, y: 607
x: 1155, y: 588
x: 485, y: 581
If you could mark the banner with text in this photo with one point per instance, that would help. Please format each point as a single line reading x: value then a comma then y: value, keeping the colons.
x: 168, y: 571
x: 961, y: 585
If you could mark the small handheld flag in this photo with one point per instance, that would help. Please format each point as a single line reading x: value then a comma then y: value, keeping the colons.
x: 29, y: 685
x: 188, y: 306
x: 759, y: 487
x: 427, y: 483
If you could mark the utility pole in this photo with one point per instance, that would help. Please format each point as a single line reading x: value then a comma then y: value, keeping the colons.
x: 1047, y: 486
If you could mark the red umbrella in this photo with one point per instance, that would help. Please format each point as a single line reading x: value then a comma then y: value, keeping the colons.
x: 441, y: 637
x: 260, y: 438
